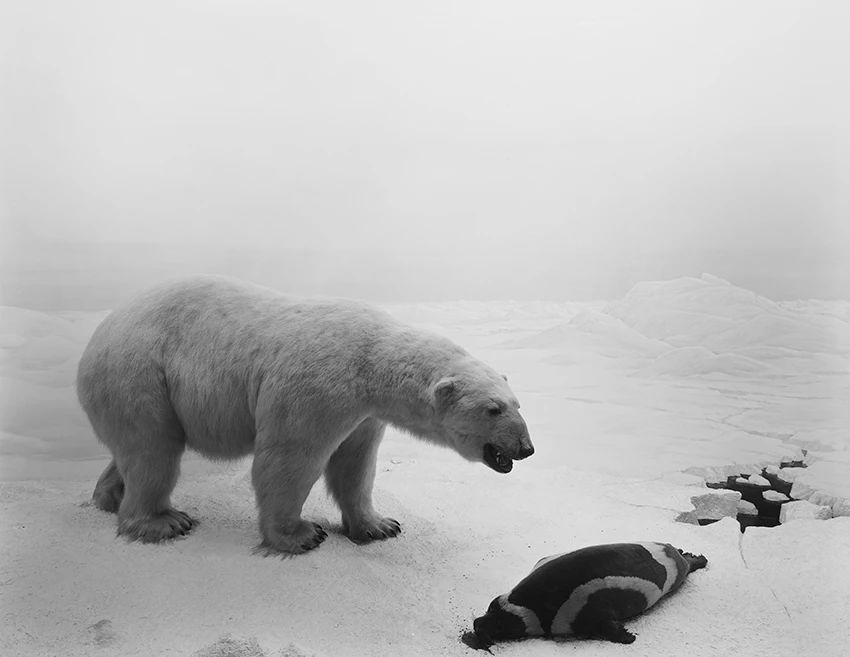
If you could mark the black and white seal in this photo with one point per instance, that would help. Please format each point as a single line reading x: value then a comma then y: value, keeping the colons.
x: 586, y: 593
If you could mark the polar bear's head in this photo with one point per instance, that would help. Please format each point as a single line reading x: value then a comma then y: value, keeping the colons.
x: 479, y: 416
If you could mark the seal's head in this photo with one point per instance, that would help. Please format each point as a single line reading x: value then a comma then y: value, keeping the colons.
x: 498, y: 624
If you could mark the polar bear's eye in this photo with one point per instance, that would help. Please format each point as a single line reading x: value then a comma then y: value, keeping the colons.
x: 494, y: 410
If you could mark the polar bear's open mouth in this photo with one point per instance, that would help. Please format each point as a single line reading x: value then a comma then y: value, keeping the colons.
x: 496, y: 459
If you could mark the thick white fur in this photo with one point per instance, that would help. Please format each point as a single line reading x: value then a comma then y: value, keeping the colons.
x: 227, y: 369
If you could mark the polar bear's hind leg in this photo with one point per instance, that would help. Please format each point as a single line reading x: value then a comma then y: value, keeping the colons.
x: 109, y: 490
x: 149, y: 471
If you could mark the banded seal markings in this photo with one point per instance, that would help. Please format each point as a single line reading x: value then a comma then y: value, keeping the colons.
x: 586, y: 593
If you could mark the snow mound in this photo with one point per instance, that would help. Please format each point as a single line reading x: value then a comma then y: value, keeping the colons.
x: 711, y: 312
x: 691, y: 361
x: 614, y: 330
x: 786, y: 330
x: 685, y: 311
x: 690, y: 327
x: 718, y: 328
x: 596, y: 332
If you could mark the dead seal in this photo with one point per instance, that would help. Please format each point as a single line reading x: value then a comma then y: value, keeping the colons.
x: 585, y: 594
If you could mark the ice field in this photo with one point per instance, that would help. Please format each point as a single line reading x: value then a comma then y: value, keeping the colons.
x: 631, y: 403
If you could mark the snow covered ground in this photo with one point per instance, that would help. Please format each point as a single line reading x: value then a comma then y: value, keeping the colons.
x: 627, y: 403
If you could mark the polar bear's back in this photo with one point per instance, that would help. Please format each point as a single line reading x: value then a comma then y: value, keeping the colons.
x: 204, y: 346
x: 208, y: 310
x: 231, y: 306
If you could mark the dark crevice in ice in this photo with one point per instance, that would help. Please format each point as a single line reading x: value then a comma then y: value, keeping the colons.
x: 767, y: 510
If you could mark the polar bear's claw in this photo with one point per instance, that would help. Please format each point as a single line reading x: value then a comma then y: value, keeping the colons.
x: 300, y: 538
x: 377, y: 529
x: 169, y: 524
x: 316, y: 539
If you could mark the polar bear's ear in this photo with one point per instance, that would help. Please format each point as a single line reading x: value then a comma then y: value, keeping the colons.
x: 505, y: 377
x: 445, y: 392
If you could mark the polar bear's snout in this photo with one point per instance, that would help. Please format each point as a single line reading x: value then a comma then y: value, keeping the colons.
x: 500, y: 454
x: 525, y: 448
x: 525, y: 451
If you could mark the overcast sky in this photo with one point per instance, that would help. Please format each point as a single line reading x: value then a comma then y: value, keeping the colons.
x: 513, y: 132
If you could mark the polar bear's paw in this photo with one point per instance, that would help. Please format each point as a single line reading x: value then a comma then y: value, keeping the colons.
x: 374, y: 528
x: 307, y: 536
x: 161, y: 527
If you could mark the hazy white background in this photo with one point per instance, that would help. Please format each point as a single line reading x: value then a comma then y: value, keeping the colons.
x: 436, y: 151
x: 424, y: 150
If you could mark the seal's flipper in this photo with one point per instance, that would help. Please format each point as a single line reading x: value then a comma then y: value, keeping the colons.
x: 614, y: 631
x: 695, y: 561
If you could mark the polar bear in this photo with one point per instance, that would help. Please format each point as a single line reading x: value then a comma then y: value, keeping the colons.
x: 307, y: 385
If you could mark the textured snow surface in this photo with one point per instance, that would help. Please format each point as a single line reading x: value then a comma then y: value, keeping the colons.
x: 621, y: 398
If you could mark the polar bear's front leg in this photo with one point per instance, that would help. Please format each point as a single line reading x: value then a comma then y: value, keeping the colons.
x: 282, y: 479
x: 349, y: 476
